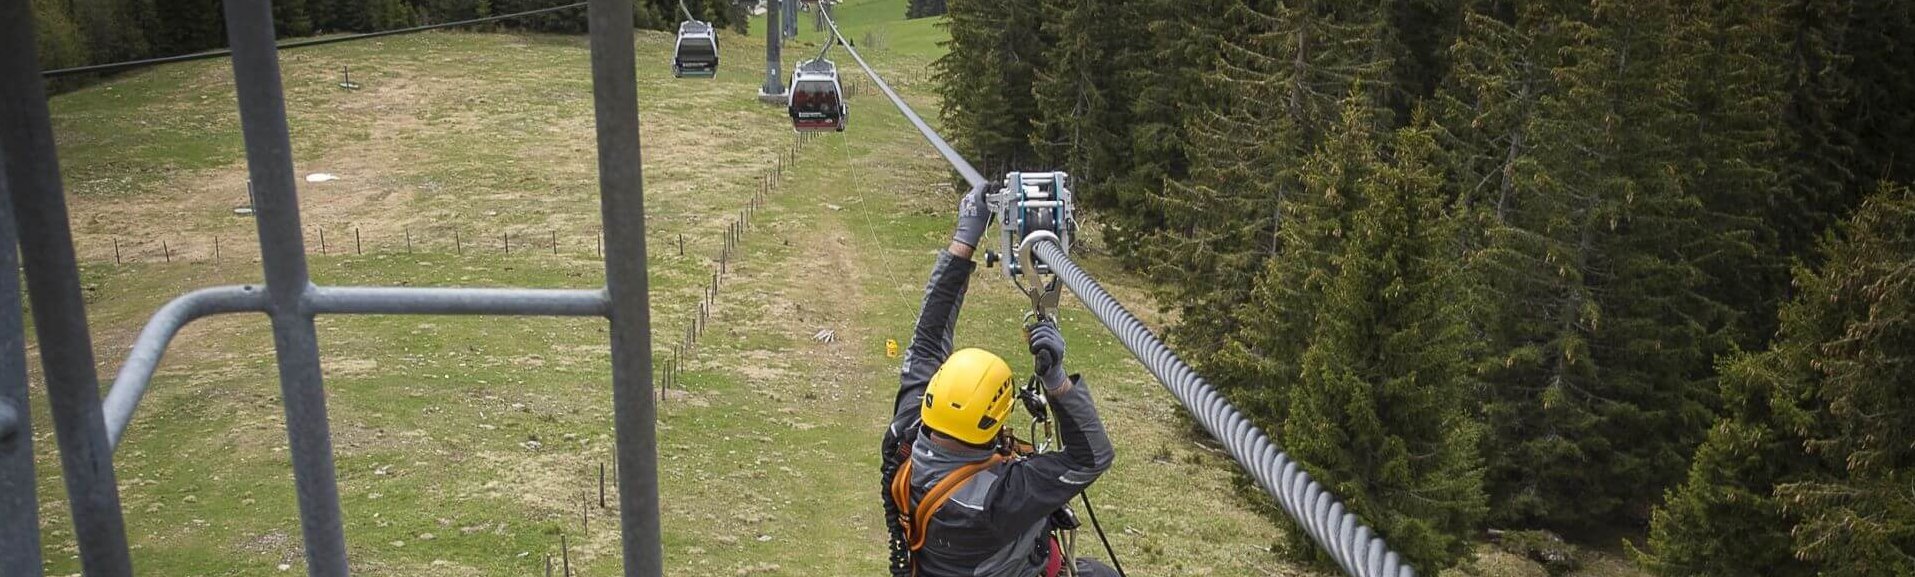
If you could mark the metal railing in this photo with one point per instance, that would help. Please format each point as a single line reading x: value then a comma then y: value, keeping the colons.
x: 87, y: 429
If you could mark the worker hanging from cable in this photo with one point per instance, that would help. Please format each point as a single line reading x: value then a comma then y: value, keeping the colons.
x: 959, y: 500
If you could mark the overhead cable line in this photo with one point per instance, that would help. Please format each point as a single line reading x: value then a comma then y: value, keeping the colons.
x: 1357, y: 549
x: 964, y: 168
x: 225, y: 52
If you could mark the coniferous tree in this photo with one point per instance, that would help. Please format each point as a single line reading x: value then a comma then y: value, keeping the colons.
x: 1599, y: 324
x: 1726, y: 124
x: 58, y: 40
x: 112, y: 28
x: 1807, y: 472
x: 1279, y: 79
x: 290, y: 18
x: 189, y: 26
x: 985, y: 79
x: 1162, y: 85
x: 1861, y: 521
x: 1381, y: 414
x: 1083, y: 112
x: 1724, y: 520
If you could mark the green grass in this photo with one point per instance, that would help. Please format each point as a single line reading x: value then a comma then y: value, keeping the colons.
x: 466, y: 445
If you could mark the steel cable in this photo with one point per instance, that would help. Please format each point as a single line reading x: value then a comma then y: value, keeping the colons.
x: 1354, y: 546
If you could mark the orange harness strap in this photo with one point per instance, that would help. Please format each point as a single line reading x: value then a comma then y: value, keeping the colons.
x: 917, y: 520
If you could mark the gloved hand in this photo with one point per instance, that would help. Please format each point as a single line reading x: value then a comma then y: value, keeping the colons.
x: 1047, y: 349
x: 973, y: 216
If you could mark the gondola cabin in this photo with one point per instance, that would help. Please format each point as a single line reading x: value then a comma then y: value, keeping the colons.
x: 817, y: 102
x: 697, y: 52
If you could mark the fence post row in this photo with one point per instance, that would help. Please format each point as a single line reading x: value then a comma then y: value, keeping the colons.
x: 82, y: 422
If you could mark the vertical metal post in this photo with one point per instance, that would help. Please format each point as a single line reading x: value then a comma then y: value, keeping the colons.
x: 269, y: 162
x: 791, y: 20
x: 19, y: 505
x: 622, y: 206
x: 774, y: 86
x: 32, y: 171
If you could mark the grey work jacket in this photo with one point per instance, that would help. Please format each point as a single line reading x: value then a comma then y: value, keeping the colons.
x: 995, y: 525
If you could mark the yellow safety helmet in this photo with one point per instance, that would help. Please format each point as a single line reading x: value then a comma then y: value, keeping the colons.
x: 969, y: 397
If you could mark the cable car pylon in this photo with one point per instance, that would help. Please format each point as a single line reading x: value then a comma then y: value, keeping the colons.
x: 773, y: 91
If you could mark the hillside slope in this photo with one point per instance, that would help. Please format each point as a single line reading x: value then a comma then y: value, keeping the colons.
x: 469, y: 445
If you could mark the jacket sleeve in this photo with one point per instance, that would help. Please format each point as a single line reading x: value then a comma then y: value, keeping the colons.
x: 931, y: 340
x: 1035, y: 487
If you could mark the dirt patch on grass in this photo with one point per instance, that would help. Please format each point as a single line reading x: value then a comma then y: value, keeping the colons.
x: 437, y: 139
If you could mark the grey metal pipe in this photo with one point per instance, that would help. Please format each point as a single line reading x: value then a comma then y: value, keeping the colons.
x: 457, y: 301
x: 19, y: 501
x: 32, y: 170
x: 963, y: 166
x: 622, y: 208
x: 1354, y: 546
x: 136, y: 374
x: 131, y: 384
x: 269, y: 162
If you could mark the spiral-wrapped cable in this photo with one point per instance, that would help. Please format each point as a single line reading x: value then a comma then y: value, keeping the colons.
x: 1354, y: 546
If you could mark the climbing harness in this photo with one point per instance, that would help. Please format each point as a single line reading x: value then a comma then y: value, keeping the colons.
x: 1033, y: 207
x: 916, y: 519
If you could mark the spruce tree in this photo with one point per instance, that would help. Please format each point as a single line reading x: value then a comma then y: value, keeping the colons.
x: 1599, y: 322
x: 1806, y: 474
x: 1724, y: 520
x: 290, y: 18
x: 57, y: 39
x: 1726, y: 117
x: 1860, y: 521
x: 189, y: 26
x: 1083, y: 113
x: 1163, y: 86
x: 112, y: 28
x: 985, y: 80
x: 1279, y: 77
x: 1382, y: 412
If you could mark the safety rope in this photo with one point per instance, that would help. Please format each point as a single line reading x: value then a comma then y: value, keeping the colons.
x: 1355, y: 547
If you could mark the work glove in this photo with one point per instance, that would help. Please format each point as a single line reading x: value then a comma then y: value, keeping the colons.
x: 973, y: 216
x: 1047, y: 349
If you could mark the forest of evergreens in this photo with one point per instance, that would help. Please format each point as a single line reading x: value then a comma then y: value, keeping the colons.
x: 82, y: 32
x: 1597, y: 267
